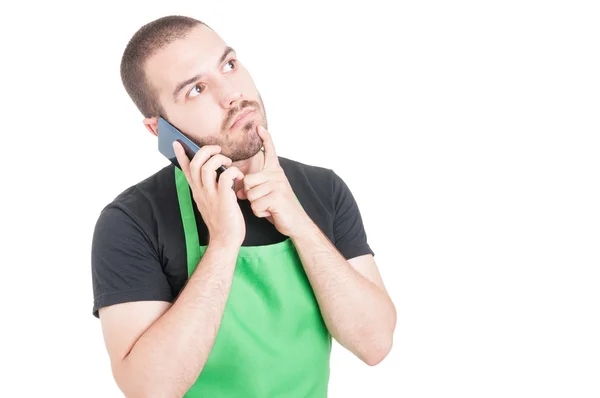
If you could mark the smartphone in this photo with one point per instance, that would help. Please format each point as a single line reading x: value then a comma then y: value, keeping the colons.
x: 167, y: 134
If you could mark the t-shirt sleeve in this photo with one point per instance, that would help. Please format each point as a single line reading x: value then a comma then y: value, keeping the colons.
x: 349, y: 232
x: 125, y: 264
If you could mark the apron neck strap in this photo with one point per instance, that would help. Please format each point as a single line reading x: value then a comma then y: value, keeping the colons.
x: 188, y: 218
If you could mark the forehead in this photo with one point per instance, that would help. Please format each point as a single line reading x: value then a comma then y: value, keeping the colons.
x: 198, y: 52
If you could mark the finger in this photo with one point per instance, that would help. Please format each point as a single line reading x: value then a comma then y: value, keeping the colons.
x: 241, y: 194
x: 252, y: 180
x: 198, y: 161
x: 259, y: 191
x: 209, y: 170
x: 226, y: 180
x: 183, y: 160
x: 271, y: 159
x: 261, y: 207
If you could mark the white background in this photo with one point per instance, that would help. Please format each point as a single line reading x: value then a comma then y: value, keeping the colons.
x: 467, y: 131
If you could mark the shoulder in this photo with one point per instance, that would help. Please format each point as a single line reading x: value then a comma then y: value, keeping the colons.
x: 315, y: 188
x: 126, y: 257
x: 330, y: 202
x: 299, y: 167
x: 137, y: 208
x: 302, y: 174
x: 144, y: 198
x: 321, y: 181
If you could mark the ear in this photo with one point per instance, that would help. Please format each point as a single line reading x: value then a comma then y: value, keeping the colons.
x: 151, y: 124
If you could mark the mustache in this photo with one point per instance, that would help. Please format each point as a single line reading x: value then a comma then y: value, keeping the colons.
x: 233, y: 112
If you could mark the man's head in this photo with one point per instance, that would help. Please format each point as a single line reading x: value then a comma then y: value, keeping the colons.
x: 179, y: 68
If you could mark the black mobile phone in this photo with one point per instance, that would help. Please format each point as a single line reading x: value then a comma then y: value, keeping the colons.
x: 167, y: 134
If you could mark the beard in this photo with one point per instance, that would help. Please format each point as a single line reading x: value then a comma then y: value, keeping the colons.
x: 243, y: 142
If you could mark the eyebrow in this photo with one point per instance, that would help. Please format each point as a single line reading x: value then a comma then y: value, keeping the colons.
x: 192, y: 79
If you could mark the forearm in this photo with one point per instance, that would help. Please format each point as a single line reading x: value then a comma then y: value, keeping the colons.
x: 167, y: 359
x: 358, y: 314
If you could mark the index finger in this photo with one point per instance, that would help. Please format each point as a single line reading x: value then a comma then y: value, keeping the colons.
x: 182, y: 159
x: 270, y: 154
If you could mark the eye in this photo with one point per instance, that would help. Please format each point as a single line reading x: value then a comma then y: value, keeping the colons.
x: 196, y: 90
x: 232, y: 63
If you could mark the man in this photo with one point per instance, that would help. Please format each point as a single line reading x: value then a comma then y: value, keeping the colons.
x: 207, y: 291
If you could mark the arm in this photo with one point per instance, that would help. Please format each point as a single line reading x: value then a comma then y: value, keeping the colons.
x: 159, y: 350
x: 356, y: 307
x: 357, y: 311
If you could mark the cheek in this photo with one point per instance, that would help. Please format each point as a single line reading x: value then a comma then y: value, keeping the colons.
x: 207, y: 115
x: 244, y: 80
x: 201, y: 121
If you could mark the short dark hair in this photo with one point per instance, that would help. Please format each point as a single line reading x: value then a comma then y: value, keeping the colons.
x: 146, y: 42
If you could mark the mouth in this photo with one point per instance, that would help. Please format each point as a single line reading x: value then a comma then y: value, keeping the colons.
x: 242, y: 117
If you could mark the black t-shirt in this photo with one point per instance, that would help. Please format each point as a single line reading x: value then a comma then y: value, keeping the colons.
x: 138, y: 247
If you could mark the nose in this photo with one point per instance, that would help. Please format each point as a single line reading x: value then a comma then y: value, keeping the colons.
x: 229, y: 95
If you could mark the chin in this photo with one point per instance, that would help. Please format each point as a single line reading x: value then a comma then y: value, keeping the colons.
x: 246, y: 152
x: 246, y: 145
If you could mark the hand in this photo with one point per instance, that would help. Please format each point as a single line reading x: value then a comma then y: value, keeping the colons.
x: 216, y: 201
x: 270, y: 193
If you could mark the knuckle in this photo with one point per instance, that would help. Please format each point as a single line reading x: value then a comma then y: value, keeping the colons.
x: 196, y: 163
x: 210, y: 148
x: 206, y: 168
x: 210, y: 164
x: 233, y: 171
x: 197, y: 197
x: 226, y: 175
x: 215, y: 161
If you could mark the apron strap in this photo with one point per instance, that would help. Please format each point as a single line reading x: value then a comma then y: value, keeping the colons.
x: 188, y: 218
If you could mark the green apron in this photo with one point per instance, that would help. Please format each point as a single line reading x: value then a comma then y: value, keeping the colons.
x: 272, y: 341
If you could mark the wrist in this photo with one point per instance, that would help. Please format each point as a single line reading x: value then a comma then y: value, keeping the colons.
x: 223, y: 244
x: 304, y: 227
